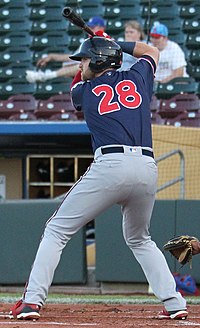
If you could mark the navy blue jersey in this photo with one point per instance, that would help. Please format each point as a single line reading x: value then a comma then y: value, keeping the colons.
x: 116, y: 105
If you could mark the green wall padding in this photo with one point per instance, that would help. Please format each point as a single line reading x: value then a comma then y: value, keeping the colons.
x: 22, y: 225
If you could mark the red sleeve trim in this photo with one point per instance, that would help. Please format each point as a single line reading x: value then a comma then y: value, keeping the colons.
x: 76, y: 79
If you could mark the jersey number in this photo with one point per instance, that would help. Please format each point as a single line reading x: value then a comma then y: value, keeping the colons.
x: 127, y: 97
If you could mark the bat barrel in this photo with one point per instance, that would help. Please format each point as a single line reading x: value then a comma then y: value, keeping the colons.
x: 67, y: 11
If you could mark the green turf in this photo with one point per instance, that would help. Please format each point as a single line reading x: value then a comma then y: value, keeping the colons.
x: 96, y: 299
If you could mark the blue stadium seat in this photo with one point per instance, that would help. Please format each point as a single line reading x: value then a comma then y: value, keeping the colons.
x: 161, y: 10
x: 194, y: 72
x: 73, y: 30
x: 15, y: 55
x: 194, y: 57
x: 178, y: 37
x: 14, y: 4
x: 190, y: 10
x: 193, y: 41
x: 52, y: 12
x: 75, y: 42
x: 176, y: 86
x: 14, y: 70
x: 14, y: 39
x: 50, y: 39
x: 44, y: 52
x: 129, y: 11
x: 45, y: 26
x: 191, y: 25
x: 114, y: 26
x: 16, y: 86
x: 9, y: 26
x: 39, y: 3
x: 45, y: 90
x: 14, y: 14
x: 112, y: 12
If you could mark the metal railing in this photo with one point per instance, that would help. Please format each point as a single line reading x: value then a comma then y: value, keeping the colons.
x: 177, y: 179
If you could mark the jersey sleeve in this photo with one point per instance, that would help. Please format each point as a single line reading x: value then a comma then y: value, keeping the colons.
x: 146, y: 67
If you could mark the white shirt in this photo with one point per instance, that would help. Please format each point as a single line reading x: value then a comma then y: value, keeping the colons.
x: 127, y: 62
x: 171, y: 58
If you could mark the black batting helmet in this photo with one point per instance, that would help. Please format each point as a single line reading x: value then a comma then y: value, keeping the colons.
x: 104, y: 53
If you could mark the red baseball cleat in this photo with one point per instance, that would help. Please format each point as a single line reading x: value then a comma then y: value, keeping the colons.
x: 24, y: 311
x: 176, y: 315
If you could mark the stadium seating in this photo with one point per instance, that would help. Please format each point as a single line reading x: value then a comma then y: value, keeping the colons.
x: 189, y: 10
x: 181, y: 103
x: 37, y: 54
x: 55, y: 105
x: 14, y: 39
x: 13, y: 14
x: 194, y: 71
x: 17, y: 104
x: 193, y: 41
x: 14, y: 70
x: 155, y: 104
x: 157, y: 119
x: 45, y: 90
x: 14, y: 4
x: 23, y: 117
x: 27, y: 32
x: 9, y: 26
x: 185, y: 119
x: 50, y: 39
x: 114, y: 26
x: 51, y: 11
x: 39, y: 3
x: 191, y: 25
x: 176, y: 86
x: 39, y: 27
x: 14, y: 87
x: 15, y: 55
x: 63, y: 117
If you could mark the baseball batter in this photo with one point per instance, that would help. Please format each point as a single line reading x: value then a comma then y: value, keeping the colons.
x: 116, y: 108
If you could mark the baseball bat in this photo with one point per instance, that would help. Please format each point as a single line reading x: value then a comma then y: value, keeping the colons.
x: 77, y: 20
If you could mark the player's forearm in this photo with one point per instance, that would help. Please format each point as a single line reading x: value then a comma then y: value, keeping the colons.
x: 142, y: 49
x: 138, y: 49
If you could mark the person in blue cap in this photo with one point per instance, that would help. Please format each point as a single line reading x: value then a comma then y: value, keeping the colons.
x: 70, y: 67
x: 172, y: 61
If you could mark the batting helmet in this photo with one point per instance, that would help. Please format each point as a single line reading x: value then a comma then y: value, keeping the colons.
x: 104, y: 53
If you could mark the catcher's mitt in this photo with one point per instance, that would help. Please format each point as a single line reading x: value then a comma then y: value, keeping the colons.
x: 181, y: 248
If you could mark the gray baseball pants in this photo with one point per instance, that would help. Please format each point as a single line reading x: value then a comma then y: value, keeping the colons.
x: 128, y: 179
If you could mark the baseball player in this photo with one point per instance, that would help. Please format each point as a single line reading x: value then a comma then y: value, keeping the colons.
x: 116, y: 109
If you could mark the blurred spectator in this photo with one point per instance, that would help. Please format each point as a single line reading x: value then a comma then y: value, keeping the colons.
x: 172, y: 61
x: 70, y: 67
x: 133, y: 32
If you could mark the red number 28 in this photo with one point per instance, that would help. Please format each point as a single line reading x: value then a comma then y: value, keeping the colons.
x: 127, y: 96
